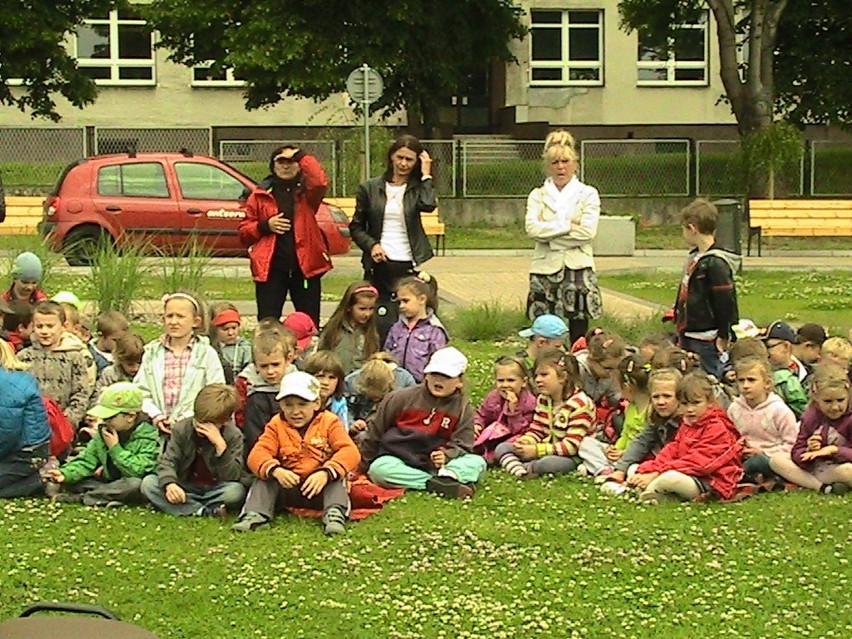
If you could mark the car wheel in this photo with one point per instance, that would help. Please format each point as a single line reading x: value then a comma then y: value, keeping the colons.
x: 82, y: 244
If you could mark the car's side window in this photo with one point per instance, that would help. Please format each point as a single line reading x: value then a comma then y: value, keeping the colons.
x: 205, y: 182
x: 139, y: 179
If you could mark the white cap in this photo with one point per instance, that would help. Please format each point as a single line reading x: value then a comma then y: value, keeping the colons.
x: 745, y: 328
x: 299, y: 384
x: 447, y: 361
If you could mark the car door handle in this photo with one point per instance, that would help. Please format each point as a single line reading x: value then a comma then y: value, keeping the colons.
x: 113, y: 207
x: 194, y: 211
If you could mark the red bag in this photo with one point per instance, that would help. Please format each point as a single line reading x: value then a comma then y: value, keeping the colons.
x: 61, y: 431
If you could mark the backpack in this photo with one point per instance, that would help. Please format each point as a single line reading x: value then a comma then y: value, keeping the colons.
x: 61, y: 431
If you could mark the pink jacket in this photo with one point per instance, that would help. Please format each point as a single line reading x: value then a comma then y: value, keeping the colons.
x: 497, y: 424
x: 770, y: 426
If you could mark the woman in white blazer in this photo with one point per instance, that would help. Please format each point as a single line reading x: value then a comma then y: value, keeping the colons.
x: 562, y: 218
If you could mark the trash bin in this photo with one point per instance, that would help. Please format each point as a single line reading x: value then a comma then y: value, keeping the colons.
x: 729, y: 225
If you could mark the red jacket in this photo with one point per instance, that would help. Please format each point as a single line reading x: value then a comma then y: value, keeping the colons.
x: 709, y: 449
x: 311, y: 248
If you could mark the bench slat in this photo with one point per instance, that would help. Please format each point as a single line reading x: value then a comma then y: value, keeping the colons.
x: 784, y: 205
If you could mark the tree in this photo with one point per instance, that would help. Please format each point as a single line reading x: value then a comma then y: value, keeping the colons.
x: 32, y: 49
x: 424, y: 50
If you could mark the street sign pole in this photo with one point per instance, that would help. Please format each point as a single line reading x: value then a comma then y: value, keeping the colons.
x: 365, y: 86
x: 365, y: 105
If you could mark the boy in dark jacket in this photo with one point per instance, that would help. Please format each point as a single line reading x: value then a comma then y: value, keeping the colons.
x: 124, y: 449
x: 706, y: 304
x: 200, y: 472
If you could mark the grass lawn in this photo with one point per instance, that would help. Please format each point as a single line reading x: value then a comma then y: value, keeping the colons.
x: 824, y: 297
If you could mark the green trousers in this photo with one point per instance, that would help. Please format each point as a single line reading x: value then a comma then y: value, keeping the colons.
x: 392, y: 472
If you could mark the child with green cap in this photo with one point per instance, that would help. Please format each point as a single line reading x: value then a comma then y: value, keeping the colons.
x: 110, y: 469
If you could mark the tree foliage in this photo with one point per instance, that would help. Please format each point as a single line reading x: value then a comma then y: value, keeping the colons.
x: 424, y: 50
x: 32, y: 49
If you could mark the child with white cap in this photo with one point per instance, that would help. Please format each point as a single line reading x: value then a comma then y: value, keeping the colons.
x: 27, y: 272
x: 301, y: 459
x: 422, y: 437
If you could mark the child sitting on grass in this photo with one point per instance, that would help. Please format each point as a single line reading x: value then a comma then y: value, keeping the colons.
x: 200, y: 472
x: 422, y: 437
x: 821, y: 458
x: 26, y: 275
x: 252, y: 376
x: 838, y: 351
x: 327, y: 368
x: 301, y: 460
x: 373, y: 381
x: 766, y: 423
x: 705, y: 455
x: 124, y: 449
x: 779, y: 338
x: 564, y: 414
x: 547, y: 331
x: 351, y: 330
x: 507, y: 410
x: 807, y: 349
x: 234, y: 350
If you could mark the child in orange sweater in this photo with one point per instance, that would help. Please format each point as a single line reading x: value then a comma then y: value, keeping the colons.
x: 301, y: 459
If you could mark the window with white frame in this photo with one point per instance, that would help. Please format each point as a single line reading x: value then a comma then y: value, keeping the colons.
x: 679, y: 59
x: 204, y: 75
x: 116, y: 49
x: 566, y: 47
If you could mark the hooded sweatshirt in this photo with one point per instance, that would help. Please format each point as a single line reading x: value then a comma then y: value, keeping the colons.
x: 63, y: 374
x: 770, y: 426
x: 709, y: 448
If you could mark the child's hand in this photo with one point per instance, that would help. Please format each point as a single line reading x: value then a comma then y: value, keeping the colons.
x: 54, y: 475
x: 91, y: 431
x: 285, y: 477
x: 314, y: 484
x: 613, y: 454
x: 617, y: 476
x: 357, y: 426
x: 749, y: 451
x: 212, y: 433
x: 814, y: 442
x: 511, y: 400
x: 438, y: 458
x: 525, y: 451
x: 91, y: 421
x: 110, y: 437
x: 641, y: 480
x: 477, y: 428
x: 827, y: 451
x: 163, y: 424
x: 175, y: 494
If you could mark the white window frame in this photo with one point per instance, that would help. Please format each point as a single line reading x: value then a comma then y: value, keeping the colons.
x: 113, y: 62
x: 229, y: 81
x: 566, y: 65
x: 672, y: 65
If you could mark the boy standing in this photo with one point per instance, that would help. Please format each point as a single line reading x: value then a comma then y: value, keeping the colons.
x: 779, y: 338
x: 200, y: 471
x: 547, y: 331
x: 110, y: 469
x: 706, y: 304
x: 301, y: 459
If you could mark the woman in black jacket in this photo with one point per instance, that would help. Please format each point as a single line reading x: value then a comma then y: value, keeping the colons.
x: 386, y: 225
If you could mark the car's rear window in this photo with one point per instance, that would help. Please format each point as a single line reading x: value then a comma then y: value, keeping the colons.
x: 137, y: 179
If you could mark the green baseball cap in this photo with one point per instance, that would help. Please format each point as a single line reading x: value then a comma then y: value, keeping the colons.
x: 122, y: 397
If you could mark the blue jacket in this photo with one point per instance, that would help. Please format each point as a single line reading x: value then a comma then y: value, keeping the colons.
x: 23, y: 420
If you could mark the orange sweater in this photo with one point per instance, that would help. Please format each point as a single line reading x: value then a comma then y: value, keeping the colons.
x: 325, y: 445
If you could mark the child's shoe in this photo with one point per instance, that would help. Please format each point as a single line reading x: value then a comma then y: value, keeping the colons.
x: 583, y: 471
x: 214, y: 510
x: 449, y: 487
x: 613, y: 488
x: 250, y: 521
x: 334, y: 520
x: 603, y: 476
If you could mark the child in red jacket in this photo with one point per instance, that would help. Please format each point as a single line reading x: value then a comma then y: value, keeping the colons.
x: 705, y: 455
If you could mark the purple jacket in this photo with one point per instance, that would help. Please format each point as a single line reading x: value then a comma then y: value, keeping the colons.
x: 812, y: 421
x: 413, y: 348
x: 496, y: 424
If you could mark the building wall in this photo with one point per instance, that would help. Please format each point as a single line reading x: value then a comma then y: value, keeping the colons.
x: 619, y: 101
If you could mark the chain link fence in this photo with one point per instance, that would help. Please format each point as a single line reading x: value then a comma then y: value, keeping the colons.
x: 252, y: 156
x: 31, y: 158
x: 636, y: 168
x: 829, y: 164
x: 165, y: 140
x: 500, y: 168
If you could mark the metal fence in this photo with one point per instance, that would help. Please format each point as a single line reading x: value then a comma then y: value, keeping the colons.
x: 116, y: 140
x: 31, y: 158
x: 636, y: 168
x: 499, y: 168
x: 830, y: 168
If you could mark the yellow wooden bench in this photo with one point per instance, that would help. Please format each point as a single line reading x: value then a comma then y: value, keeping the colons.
x: 23, y: 213
x: 432, y: 224
x: 798, y: 218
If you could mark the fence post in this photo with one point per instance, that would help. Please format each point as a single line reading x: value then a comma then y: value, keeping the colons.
x: 691, y: 167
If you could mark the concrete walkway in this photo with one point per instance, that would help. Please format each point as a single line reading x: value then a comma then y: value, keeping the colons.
x: 501, y: 277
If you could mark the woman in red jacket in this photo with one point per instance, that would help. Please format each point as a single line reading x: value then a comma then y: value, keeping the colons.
x: 286, y: 247
x: 705, y: 455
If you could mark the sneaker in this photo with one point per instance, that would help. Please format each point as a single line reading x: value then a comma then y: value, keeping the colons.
x: 839, y: 488
x: 334, y: 521
x: 603, y: 477
x: 613, y: 488
x: 448, y: 487
x: 582, y: 471
x: 214, y: 510
x: 250, y: 521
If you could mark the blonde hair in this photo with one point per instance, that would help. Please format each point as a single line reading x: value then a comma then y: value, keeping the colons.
x: 828, y: 376
x: 838, y: 347
x: 9, y: 360
x: 559, y: 145
x: 748, y: 362
x: 376, y: 378
x: 664, y: 375
x: 197, y: 307
x: 694, y: 386
x: 748, y: 347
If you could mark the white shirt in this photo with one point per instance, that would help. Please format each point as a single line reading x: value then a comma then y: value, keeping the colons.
x: 394, y: 240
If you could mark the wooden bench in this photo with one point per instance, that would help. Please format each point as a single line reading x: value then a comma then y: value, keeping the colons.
x: 432, y: 224
x: 23, y: 213
x: 798, y: 218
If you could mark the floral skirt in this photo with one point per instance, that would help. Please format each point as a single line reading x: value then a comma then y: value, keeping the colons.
x: 570, y: 294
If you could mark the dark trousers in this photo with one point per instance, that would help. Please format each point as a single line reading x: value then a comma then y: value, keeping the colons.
x: 304, y: 293
x: 266, y: 496
x: 19, y: 471
x: 384, y: 277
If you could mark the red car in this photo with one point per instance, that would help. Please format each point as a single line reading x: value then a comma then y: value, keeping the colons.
x: 163, y: 198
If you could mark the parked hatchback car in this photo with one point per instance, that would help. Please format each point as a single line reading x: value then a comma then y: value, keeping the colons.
x: 164, y: 199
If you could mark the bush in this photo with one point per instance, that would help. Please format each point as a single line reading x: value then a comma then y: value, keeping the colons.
x: 185, y: 269
x: 488, y: 321
x: 116, y: 276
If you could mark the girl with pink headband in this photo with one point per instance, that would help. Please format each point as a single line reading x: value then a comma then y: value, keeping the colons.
x: 351, y: 331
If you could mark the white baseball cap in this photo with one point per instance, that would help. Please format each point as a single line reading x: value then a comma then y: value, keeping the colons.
x: 299, y: 384
x: 447, y: 361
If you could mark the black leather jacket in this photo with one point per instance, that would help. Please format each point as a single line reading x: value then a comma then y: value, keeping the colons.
x: 369, y: 217
x: 711, y: 299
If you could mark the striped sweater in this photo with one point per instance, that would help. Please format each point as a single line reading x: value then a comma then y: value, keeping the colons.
x: 558, y: 430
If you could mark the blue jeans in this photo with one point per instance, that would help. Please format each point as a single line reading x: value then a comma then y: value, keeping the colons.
x: 229, y: 493
x: 707, y: 353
